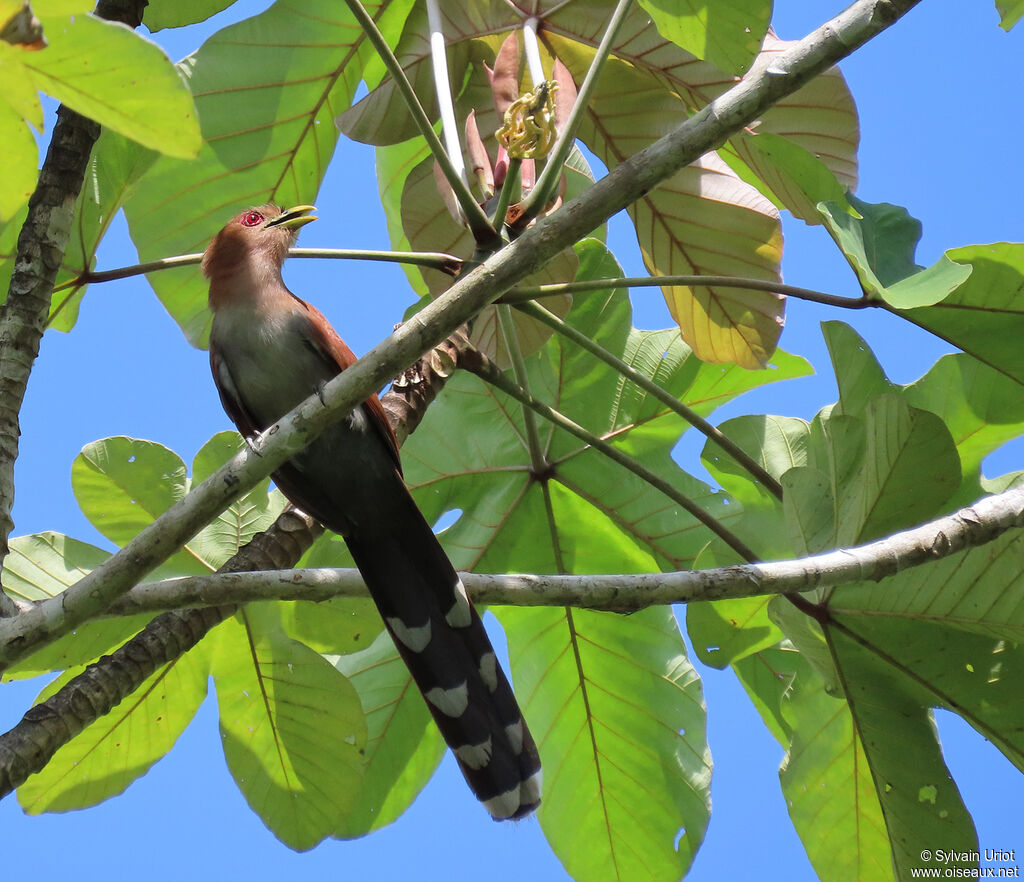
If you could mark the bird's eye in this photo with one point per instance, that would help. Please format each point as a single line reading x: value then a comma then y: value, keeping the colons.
x: 252, y: 219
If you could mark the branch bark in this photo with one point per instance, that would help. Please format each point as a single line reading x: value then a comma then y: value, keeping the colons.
x: 760, y: 89
x: 41, y: 245
x: 970, y: 527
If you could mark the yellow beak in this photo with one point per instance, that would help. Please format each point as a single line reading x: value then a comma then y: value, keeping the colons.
x: 293, y: 218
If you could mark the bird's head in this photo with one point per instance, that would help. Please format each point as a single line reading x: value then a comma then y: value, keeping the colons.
x: 254, y: 243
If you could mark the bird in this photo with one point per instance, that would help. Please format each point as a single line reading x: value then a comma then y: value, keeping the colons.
x: 269, y: 351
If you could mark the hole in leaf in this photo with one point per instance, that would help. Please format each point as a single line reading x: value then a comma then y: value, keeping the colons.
x: 447, y: 519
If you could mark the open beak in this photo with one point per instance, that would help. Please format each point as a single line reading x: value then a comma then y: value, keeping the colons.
x: 293, y: 218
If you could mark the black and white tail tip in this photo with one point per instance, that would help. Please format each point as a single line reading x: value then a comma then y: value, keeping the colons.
x: 469, y: 696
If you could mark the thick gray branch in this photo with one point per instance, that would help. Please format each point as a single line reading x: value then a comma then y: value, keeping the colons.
x: 704, y: 131
x: 970, y: 527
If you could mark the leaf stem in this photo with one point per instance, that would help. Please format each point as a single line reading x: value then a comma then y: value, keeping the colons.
x: 443, y: 89
x: 538, y: 460
x: 547, y: 183
x: 532, y: 49
x: 490, y: 374
x: 535, y: 310
x: 478, y: 223
x: 509, y: 186
x: 524, y: 294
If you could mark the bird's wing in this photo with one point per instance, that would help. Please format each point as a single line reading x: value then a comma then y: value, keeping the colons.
x: 325, y: 340
x: 230, y: 399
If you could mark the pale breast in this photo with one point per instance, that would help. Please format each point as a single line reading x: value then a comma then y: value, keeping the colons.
x: 265, y: 360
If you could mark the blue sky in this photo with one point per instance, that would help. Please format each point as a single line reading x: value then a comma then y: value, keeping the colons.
x: 940, y: 107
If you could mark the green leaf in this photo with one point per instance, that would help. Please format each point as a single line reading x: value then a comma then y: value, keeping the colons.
x: 44, y: 565
x: 21, y: 157
x: 115, y: 167
x: 738, y: 232
x: 981, y: 590
x: 768, y: 678
x: 160, y: 14
x: 879, y: 246
x: 123, y: 484
x: 403, y: 746
x: 920, y: 801
x: 828, y: 782
x: 911, y: 467
x: 619, y: 714
x: 293, y: 729
x: 1010, y: 11
x: 338, y: 625
x: 115, y: 749
x: 890, y: 465
x: 252, y: 513
x: 267, y: 91
x: 982, y: 409
x: 983, y: 316
x: 19, y: 93
x: 728, y: 630
x: 797, y: 179
x: 858, y: 374
x: 107, y: 72
x: 726, y: 34
x: 809, y: 507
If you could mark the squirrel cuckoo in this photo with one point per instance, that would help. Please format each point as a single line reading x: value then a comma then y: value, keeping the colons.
x: 269, y: 351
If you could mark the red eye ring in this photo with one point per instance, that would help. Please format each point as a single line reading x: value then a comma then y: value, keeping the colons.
x: 252, y: 219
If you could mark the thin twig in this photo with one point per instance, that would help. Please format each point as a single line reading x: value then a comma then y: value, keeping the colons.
x: 438, y: 260
x: 532, y: 292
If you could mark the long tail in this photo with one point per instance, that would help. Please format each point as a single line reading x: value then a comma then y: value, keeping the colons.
x: 443, y: 642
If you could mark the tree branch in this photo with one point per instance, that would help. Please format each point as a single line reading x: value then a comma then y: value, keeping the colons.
x: 705, y: 130
x: 525, y: 294
x: 41, y: 245
x: 970, y: 527
x: 445, y: 263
